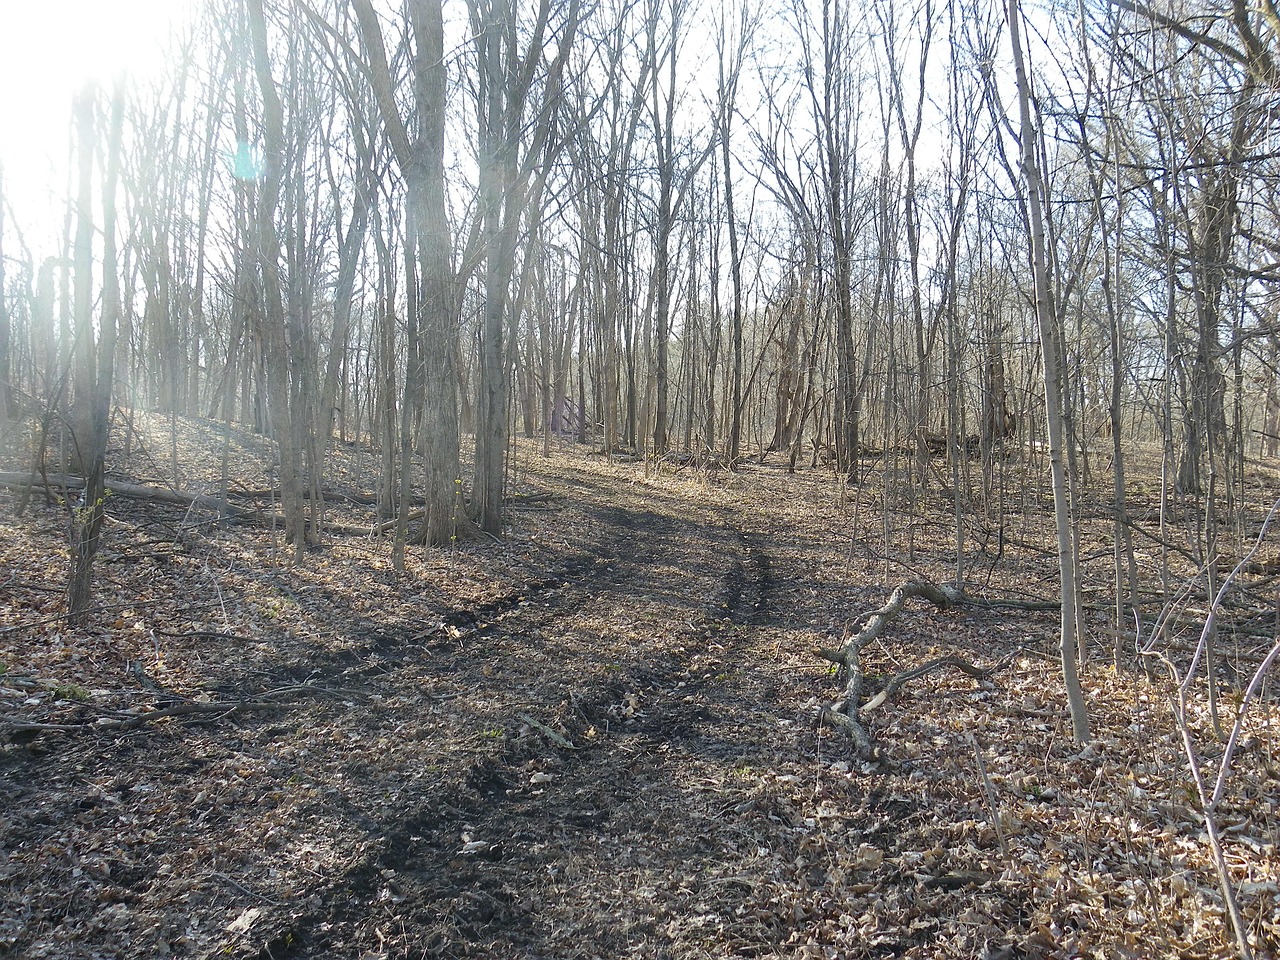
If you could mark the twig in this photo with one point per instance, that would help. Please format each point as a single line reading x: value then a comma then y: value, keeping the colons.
x: 1178, y: 703
x: 200, y: 635
x: 990, y: 793
x: 242, y: 888
x: 546, y: 731
x: 312, y: 688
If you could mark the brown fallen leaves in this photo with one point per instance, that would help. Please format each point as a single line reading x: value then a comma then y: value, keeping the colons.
x: 661, y: 626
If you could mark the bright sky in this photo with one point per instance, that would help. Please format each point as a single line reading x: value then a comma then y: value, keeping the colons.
x: 48, y: 50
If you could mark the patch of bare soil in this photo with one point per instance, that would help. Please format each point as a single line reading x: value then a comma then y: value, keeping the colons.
x: 594, y: 739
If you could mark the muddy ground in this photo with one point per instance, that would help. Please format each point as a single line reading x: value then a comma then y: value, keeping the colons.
x: 596, y: 738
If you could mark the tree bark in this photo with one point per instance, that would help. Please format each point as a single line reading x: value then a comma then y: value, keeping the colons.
x: 728, y: 88
x: 499, y: 126
x: 511, y: 147
x: 663, y: 117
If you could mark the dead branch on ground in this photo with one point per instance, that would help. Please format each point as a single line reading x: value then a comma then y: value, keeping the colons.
x: 18, y: 730
x: 14, y: 731
x: 59, y: 484
x: 846, y: 714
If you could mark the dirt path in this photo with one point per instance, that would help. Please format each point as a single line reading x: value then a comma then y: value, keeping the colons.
x: 559, y: 770
x: 594, y: 739
x: 519, y: 845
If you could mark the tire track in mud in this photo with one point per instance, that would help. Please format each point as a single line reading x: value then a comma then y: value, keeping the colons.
x: 471, y: 866
x: 383, y: 647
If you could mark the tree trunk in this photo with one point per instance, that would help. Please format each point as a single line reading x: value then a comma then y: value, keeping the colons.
x: 282, y: 412
x: 6, y: 337
x: 1045, y: 316
x: 495, y: 160
x: 663, y: 117
x: 96, y: 375
x: 348, y: 263
x: 728, y: 90
x: 446, y: 519
x: 421, y: 161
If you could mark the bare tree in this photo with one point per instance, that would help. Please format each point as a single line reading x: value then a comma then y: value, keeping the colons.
x: 832, y: 87
x: 727, y: 91
x: 1046, y: 315
x: 6, y: 329
x: 95, y: 344
x: 287, y: 421
x: 518, y: 141
x: 421, y: 163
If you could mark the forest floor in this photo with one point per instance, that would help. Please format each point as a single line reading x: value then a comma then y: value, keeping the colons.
x: 595, y: 738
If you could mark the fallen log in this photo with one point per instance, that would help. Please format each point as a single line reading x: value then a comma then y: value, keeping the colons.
x: 134, y: 491
x: 65, y: 483
x: 19, y: 730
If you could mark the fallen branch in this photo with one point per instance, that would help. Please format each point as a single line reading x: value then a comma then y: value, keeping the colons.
x: 13, y: 730
x: 846, y: 714
x: 133, y: 491
x: 329, y: 495
x: 377, y: 530
x: 906, y: 676
x: 136, y: 491
x: 1009, y: 604
x: 17, y: 730
x: 100, y: 607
